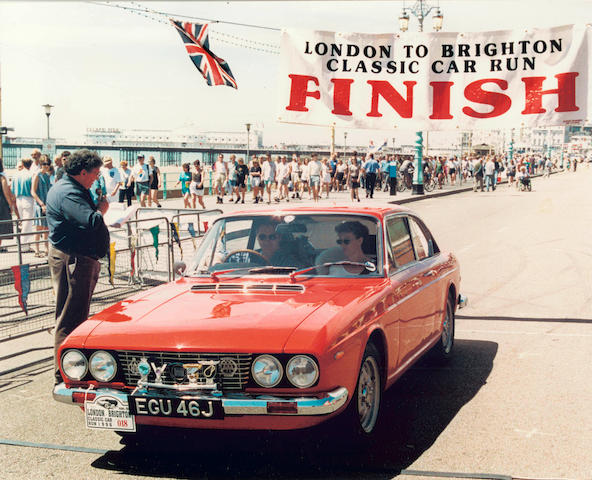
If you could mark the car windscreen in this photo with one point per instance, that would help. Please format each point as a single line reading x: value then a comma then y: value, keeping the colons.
x: 339, y: 245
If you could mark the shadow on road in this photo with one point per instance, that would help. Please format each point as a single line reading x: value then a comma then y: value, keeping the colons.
x: 416, y: 410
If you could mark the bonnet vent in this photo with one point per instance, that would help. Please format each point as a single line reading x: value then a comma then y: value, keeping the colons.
x: 265, y: 287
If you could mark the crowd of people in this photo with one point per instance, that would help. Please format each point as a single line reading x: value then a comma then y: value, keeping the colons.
x: 262, y: 179
x: 312, y: 177
x: 25, y: 194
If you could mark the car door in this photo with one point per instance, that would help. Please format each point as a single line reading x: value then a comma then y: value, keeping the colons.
x: 428, y: 256
x: 413, y: 305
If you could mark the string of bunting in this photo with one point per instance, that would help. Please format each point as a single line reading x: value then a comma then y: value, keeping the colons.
x: 22, y: 284
x: 162, y: 17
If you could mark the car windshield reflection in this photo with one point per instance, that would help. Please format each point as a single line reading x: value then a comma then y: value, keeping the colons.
x: 323, y: 245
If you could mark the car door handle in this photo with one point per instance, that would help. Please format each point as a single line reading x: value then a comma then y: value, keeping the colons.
x: 430, y: 273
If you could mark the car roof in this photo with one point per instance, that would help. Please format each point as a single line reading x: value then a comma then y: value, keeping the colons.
x: 378, y: 211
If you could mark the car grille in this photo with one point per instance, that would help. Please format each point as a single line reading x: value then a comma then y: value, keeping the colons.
x: 232, y: 371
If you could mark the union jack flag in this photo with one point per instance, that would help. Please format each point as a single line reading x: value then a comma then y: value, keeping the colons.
x: 195, y: 37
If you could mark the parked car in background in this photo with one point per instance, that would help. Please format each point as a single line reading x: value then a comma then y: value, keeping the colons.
x: 283, y: 320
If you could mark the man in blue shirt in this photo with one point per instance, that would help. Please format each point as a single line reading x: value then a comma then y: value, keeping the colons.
x: 370, y: 169
x: 78, y: 237
x: 392, y: 175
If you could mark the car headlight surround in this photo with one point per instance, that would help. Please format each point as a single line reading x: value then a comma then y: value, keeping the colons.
x: 267, y: 371
x: 302, y: 371
x: 102, y: 366
x: 74, y: 364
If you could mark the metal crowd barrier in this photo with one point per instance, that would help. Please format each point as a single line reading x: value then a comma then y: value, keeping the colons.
x: 134, y: 240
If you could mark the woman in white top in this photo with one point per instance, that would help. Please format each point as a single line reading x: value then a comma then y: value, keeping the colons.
x: 125, y: 191
x: 351, y: 236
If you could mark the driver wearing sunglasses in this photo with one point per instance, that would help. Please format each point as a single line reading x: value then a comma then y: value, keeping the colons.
x: 269, y: 243
x: 351, y: 236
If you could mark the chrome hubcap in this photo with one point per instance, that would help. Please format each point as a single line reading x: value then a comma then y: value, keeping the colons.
x: 368, y: 394
x: 447, y: 331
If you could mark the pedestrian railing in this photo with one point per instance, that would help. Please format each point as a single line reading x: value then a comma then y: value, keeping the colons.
x: 141, y: 255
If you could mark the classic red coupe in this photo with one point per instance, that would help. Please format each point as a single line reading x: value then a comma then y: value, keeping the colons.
x: 284, y: 319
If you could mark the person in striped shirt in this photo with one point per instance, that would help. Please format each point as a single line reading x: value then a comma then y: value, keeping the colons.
x: 21, y: 189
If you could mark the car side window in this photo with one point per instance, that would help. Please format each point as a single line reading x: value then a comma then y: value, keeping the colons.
x: 422, y: 249
x: 400, y: 240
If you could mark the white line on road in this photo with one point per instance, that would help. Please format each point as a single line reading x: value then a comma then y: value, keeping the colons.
x: 516, y: 332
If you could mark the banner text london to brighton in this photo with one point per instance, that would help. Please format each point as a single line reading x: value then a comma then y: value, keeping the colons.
x: 436, y: 81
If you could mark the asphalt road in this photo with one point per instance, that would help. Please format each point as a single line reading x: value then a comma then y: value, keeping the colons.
x: 515, y: 402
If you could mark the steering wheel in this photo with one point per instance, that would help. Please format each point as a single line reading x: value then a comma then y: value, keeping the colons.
x: 243, y: 254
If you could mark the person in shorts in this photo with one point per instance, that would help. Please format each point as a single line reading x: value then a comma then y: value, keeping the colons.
x: 196, y: 187
x: 185, y: 181
x: 220, y: 174
x: 242, y: 172
x: 314, y: 172
x: 255, y: 172
x: 141, y: 175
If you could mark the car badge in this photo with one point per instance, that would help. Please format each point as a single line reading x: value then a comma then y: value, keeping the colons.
x: 227, y: 367
x: 201, y: 373
x: 177, y: 371
x: 158, y: 371
x: 143, y: 369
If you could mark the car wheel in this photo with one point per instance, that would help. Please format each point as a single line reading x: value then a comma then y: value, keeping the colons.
x: 443, y: 349
x: 364, y: 408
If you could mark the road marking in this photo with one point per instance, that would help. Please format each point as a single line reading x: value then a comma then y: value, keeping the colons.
x: 515, y: 332
x: 465, y: 248
x: 531, y: 433
x: 529, y: 354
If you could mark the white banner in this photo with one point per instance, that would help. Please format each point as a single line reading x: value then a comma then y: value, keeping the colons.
x: 436, y: 81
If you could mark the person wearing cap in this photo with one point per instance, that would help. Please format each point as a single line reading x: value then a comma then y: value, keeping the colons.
x: 141, y: 175
x: 112, y: 179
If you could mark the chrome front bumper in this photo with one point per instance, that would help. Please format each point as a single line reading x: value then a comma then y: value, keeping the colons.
x: 463, y: 301
x: 233, y: 404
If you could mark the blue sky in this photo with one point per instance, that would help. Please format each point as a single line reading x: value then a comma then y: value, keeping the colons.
x: 107, y: 67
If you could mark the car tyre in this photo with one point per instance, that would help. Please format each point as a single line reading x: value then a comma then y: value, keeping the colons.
x: 359, y: 421
x: 442, y: 351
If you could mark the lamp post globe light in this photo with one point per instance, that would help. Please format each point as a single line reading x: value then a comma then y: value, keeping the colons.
x: 420, y: 10
x: 47, y: 108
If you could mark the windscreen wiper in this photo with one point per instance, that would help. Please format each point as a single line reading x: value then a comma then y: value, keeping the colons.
x: 367, y: 265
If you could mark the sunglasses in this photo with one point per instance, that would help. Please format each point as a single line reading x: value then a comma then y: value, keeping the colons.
x: 271, y: 236
x: 345, y: 241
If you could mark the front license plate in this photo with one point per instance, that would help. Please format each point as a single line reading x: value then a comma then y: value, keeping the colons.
x: 176, y: 407
x: 109, y: 412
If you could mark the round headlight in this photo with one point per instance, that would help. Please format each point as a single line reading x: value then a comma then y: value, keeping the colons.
x: 267, y: 371
x: 302, y: 371
x: 102, y: 366
x: 74, y: 364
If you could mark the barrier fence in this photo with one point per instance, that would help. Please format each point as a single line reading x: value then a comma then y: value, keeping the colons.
x: 27, y: 301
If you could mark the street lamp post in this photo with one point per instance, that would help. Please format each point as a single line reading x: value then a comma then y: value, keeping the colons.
x: 420, y: 10
x: 393, y: 145
x: 344, y: 144
x: 48, y: 108
x: 248, y: 125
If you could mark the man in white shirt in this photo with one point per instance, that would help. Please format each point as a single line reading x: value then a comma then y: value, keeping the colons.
x: 268, y: 171
x: 284, y: 178
x: 489, y: 173
x: 112, y: 179
x: 314, y: 171
x: 295, y: 175
x: 141, y: 175
x: 220, y: 170
x: 35, y: 166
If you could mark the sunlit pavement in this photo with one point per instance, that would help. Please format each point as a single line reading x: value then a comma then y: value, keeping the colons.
x: 514, y: 401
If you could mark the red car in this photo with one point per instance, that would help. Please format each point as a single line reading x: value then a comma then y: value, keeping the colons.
x: 285, y: 318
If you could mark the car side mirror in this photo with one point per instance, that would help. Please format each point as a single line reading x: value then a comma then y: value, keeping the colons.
x: 179, y: 268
